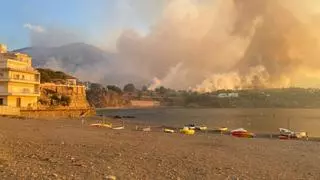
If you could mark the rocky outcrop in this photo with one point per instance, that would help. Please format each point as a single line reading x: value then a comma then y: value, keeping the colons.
x: 100, y: 97
x: 63, y: 96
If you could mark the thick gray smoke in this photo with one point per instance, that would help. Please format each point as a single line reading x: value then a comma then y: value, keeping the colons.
x: 222, y: 44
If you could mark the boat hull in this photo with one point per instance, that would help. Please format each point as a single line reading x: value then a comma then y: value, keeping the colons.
x: 243, y: 134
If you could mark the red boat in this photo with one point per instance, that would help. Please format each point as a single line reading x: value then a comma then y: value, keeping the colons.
x: 242, y: 133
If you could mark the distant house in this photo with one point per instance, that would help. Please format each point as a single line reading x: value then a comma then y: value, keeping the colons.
x: 71, y: 81
x: 129, y: 95
x: 87, y: 85
x: 228, y: 95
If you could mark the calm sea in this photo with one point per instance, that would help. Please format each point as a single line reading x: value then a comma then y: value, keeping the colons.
x: 256, y: 120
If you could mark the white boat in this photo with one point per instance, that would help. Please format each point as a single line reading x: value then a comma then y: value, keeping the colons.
x: 201, y: 128
x: 286, y: 132
x: 291, y: 134
x: 147, y: 129
x: 191, y: 126
x: 118, y: 128
x: 167, y: 130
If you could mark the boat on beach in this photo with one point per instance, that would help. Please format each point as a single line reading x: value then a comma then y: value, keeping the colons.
x: 242, y: 133
x: 194, y: 127
x: 201, y: 128
x: 144, y: 129
x: 221, y: 130
x: 187, y: 131
x: 191, y: 126
x: 104, y: 125
x: 118, y: 128
x: 167, y: 130
x: 288, y: 134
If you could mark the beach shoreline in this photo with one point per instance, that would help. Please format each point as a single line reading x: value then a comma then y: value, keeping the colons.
x: 68, y: 149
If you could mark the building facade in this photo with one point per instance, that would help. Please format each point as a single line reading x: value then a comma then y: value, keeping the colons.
x: 228, y: 95
x: 19, y: 81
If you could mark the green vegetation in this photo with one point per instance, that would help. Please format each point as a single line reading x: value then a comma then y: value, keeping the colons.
x: 129, y: 88
x: 267, y: 98
x: 114, y: 88
x: 51, y: 98
x: 252, y: 98
x: 48, y: 75
x: 109, y: 96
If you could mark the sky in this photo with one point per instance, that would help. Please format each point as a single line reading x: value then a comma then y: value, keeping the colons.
x: 97, y: 22
x: 199, y: 43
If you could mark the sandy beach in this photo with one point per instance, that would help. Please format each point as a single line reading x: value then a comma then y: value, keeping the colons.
x: 66, y: 149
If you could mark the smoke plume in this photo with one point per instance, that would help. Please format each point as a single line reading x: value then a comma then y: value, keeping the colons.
x: 222, y: 44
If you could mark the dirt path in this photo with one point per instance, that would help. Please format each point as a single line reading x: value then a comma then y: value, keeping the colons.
x: 63, y: 149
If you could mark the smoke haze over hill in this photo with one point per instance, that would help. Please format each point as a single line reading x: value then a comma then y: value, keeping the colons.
x: 209, y: 45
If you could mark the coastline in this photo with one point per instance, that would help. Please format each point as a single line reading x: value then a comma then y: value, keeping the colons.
x: 130, y: 107
x: 66, y: 149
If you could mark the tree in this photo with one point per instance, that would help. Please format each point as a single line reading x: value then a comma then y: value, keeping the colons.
x: 144, y: 88
x: 114, y: 89
x: 129, y: 88
x: 162, y: 90
x: 96, y: 86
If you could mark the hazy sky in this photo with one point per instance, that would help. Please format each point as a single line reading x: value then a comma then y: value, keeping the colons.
x: 208, y: 44
x: 89, y: 20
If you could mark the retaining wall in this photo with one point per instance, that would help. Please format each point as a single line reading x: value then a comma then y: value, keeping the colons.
x: 10, y: 111
x: 57, y: 113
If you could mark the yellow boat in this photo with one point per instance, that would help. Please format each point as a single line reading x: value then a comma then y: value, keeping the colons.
x: 105, y: 125
x: 223, y: 129
x: 166, y: 130
x: 187, y: 131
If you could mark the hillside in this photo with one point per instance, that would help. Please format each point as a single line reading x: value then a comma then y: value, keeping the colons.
x: 78, y: 59
x: 48, y: 75
x: 264, y: 98
x: 77, y: 53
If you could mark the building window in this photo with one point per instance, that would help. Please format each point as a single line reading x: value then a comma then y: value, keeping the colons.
x: 18, y: 102
x: 1, y: 101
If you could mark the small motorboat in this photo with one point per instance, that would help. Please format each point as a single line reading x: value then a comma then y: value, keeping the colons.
x: 104, y: 125
x: 222, y: 129
x: 242, y: 133
x: 118, y: 128
x: 201, y: 128
x: 147, y: 129
x: 288, y: 134
x: 187, y: 131
x: 144, y: 129
x: 167, y: 130
x: 191, y: 126
x: 302, y: 135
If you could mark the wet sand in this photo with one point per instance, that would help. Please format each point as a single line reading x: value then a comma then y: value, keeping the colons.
x: 64, y: 149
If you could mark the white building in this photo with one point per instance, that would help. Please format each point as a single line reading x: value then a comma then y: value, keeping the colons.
x: 228, y: 95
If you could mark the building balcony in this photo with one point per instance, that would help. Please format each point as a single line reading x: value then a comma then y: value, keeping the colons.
x: 20, y: 80
x: 20, y: 93
x: 26, y: 70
